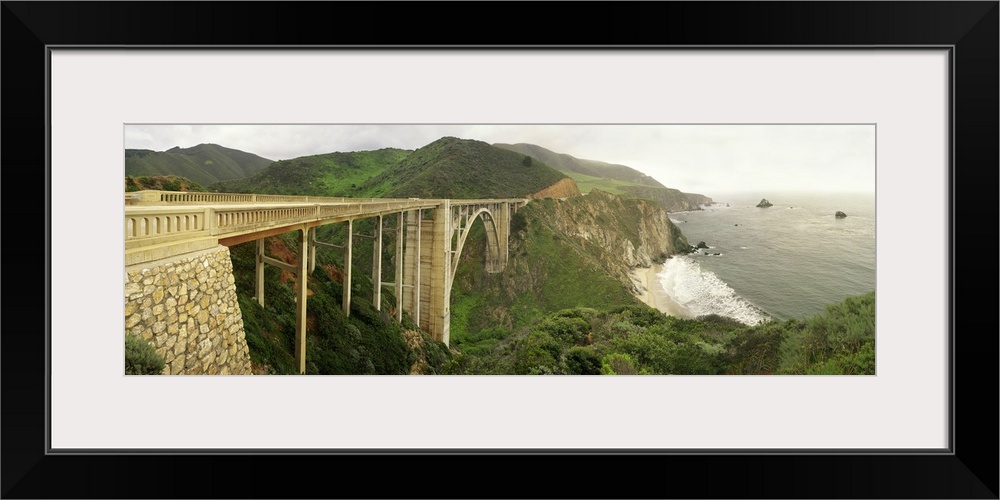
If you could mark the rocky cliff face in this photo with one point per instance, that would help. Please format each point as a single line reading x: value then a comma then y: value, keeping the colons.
x: 698, y: 199
x: 672, y: 200
x: 564, y: 253
x: 565, y: 188
x: 620, y: 233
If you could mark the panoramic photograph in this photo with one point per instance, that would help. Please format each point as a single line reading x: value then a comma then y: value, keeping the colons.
x: 503, y: 249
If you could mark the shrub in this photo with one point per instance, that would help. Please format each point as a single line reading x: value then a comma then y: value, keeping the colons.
x: 141, y: 357
x: 537, y: 353
x: 583, y: 361
x: 752, y: 351
x: 568, y: 330
x: 518, y: 223
x: 618, y: 364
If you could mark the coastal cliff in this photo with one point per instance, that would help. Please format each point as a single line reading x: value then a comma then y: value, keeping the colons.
x: 619, y: 233
x: 672, y: 200
x: 577, y: 252
x: 565, y: 188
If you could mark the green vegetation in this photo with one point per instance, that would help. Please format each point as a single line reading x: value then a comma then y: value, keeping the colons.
x: 587, y: 182
x: 331, y: 174
x: 587, y: 168
x: 611, y: 178
x: 368, y: 341
x: 205, y: 163
x: 161, y: 183
x: 840, y: 341
x: 637, y: 340
x: 547, y: 271
x: 141, y: 357
x: 459, y: 168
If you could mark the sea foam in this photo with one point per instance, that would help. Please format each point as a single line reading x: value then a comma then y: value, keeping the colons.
x: 702, y: 292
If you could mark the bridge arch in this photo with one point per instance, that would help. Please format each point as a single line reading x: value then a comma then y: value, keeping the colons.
x: 494, y: 262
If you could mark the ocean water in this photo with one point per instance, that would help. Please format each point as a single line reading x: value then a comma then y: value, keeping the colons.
x: 785, y: 261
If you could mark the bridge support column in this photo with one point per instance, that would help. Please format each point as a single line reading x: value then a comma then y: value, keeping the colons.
x: 503, y: 231
x: 312, y: 249
x: 399, y: 267
x: 347, y: 268
x: 302, y: 293
x: 411, y: 258
x: 259, y: 289
x: 439, y: 315
x: 377, y: 265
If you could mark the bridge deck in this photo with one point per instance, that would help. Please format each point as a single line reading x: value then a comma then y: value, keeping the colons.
x: 160, y: 224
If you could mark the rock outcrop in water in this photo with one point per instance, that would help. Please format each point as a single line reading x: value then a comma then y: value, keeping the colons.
x: 764, y: 203
x: 840, y: 215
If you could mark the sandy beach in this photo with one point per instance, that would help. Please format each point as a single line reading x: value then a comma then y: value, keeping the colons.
x: 652, y: 293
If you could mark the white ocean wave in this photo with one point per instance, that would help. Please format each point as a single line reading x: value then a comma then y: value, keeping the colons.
x: 702, y: 292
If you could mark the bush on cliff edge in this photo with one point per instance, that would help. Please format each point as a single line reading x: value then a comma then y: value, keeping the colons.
x: 141, y: 357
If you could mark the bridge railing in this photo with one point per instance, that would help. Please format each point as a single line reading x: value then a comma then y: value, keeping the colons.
x: 151, y: 197
x: 164, y: 221
x: 164, y: 216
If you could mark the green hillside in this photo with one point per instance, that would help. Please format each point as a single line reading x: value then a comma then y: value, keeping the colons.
x: 161, y: 183
x: 612, y: 178
x: 331, y: 174
x: 569, y: 164
x: 205, y: 163
x: 458, y: 168
x: 586, y: 183
x: 671, y: 200
x: 638, y: 340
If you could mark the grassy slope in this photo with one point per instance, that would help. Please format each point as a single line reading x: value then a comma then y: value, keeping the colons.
x: 331, y: 174
x: 459, y: 168
x: 205, y: 163
x: 592, y: 168
x: 611, y: 178
x: 161, y: 183
x: 588, y: 182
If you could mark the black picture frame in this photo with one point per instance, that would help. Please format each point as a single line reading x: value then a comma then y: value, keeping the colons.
x: 969, y: 470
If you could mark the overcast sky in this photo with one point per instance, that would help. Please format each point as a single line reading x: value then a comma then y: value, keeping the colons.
x: 706, y: 159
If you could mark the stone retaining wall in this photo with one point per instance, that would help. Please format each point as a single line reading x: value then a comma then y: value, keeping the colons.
x: 188, y: 310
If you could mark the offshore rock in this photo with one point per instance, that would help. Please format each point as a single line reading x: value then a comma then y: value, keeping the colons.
x: 840, y: 215
x: 764, y: 203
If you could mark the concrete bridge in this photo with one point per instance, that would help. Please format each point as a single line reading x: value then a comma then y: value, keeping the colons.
x: 161, y: 226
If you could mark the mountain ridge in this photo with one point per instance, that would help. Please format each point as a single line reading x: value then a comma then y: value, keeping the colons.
x: 204, y: 163
x: 613, y: 178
